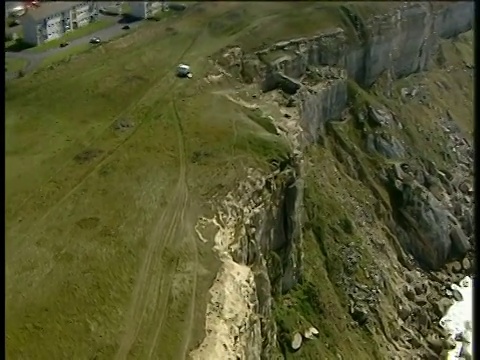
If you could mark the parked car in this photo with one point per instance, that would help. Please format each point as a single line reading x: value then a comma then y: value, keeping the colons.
x: 177, y: 6
x: 184, y: 71
x: 126, y: 27
x: 95, y: 40
x: 64, y: 44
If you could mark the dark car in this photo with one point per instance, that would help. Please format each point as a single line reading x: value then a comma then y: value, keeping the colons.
x: 64, y: 44
x: 177, y: 6
x: 95, y: 40
x: 13, y: 23
x: 126, y: 27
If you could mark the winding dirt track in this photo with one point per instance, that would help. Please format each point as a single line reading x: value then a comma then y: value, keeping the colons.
x: 152, y: 292
x: 170, y: 246
x: 153, y: 91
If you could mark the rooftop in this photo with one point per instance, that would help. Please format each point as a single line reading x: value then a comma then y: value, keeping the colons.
x: 51, y: 7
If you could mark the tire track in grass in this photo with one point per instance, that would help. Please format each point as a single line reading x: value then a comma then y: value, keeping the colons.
x: 190, y: 242
x: 153, y: 286
x: 153, y: 91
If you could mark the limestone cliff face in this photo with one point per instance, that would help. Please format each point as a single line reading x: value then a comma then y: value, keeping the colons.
x: 272, y: 245
x: 315, y: 73
x: 259, y: 243
x: 398, y: 43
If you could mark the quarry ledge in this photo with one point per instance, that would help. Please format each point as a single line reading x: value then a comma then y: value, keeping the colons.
x: 400, y: 42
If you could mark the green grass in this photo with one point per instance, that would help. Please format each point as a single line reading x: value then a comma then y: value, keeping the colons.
x: 15, y: 65
x: 319, y: 300
x: 71, y: 52
x: 66, y: 55
x: 74, y: 34
x: 85, y: 194
x: 95, y: 147
x: 342, y: 170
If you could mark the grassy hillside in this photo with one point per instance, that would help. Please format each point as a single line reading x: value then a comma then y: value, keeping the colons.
x: 346, y: 233
x: 97, y: 149
x: 110, y: 159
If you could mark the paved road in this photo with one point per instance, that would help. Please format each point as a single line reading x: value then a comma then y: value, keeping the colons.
x: 34, y: 59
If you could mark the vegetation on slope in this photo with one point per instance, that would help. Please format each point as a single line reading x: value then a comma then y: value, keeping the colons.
x: 92, y: 159
x: 344, y: 192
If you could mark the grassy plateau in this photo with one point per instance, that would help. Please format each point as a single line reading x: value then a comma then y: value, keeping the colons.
x: 111, y: 159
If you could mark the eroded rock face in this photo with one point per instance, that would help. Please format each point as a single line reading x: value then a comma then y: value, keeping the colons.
x: 423, y: 199
x: 385, y: 145
x: 424, y: 213
x: 322, y: 103
x: 427, y: 226
x: 401, y: 42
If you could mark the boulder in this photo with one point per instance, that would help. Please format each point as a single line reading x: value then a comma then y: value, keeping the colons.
x: 420, y: 288
x: 421, y: 301
x: 435, y: 343
x: 466, y: 264
x: 409, y: 277
x: 457, y: 295
x: 414, y: 341
x: 449, y: 343
x: 466, y: 220
x: 359, y: 314
x: 428, y: 229
x: 441, y: 307
x: 403, y: 312
x: 409, y: 292
x: 457, y: 209
x: 422, y: 319
x: 379, y: 117
x: 465, y: 188
x: 422, y: 223
x: 460, y: 244
x: 455, y: 267
x: 296, y: 341
x: 385, y: 145
x: 310, y: 333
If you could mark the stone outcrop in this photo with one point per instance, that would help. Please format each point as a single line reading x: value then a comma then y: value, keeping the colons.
x: 400, y: 42
x: 315, y: 73
x: 259, y: 240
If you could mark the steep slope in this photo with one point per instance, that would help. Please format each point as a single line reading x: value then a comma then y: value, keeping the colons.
x: 384, y: 159
x: 315, y: 172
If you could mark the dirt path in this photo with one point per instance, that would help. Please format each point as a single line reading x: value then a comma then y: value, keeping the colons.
x: 166, y: 245
x: 165, y: 290
x: 153, y: 91
x: 154, y: 283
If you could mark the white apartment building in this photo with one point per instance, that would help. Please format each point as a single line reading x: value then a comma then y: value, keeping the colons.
x: 145, y: 9
x: 53, y: 19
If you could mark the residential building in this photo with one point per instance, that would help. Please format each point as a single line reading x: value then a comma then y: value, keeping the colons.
x: 145, y: 9
x: 53, y: 19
